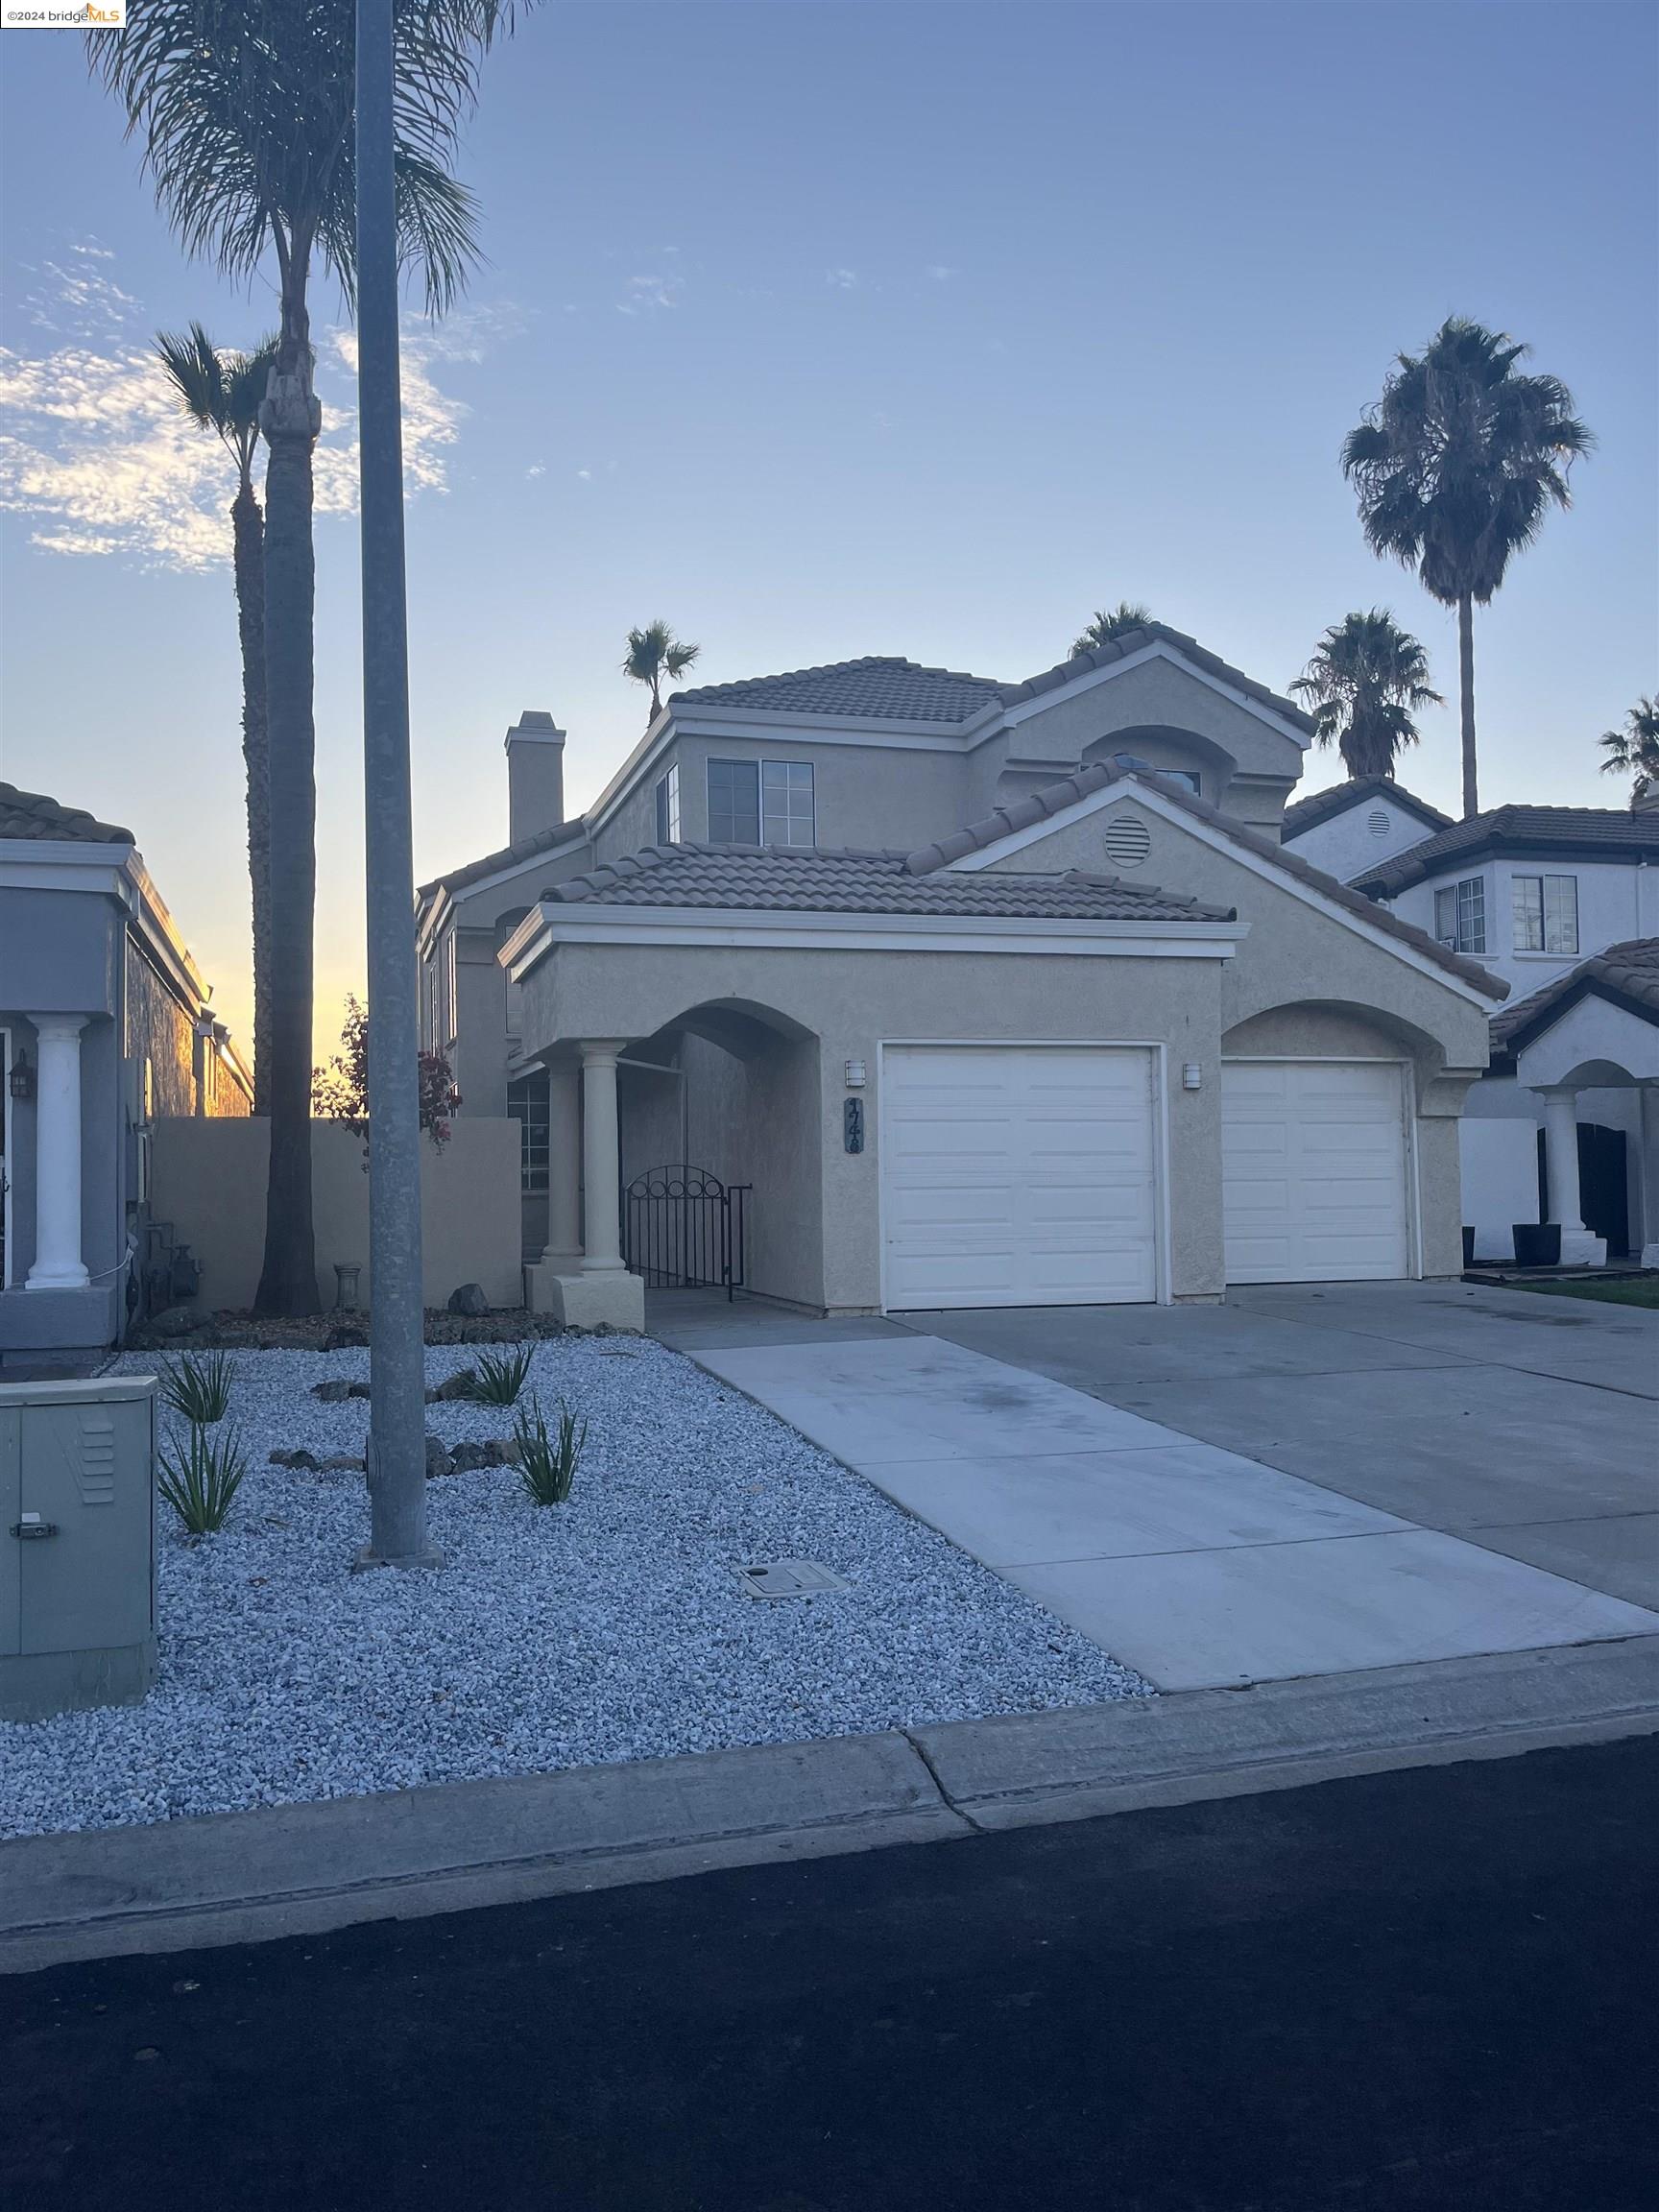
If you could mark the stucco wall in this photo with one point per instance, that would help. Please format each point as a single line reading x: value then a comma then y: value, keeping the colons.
x: 1346, y: 844
x: 161, y: 1035
x: 1616, y: 900
x: 207, y: 1177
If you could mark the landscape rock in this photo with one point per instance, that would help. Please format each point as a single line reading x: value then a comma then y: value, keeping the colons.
x: 332, y: 1393
x: 469, y: 1299
x: 453, y: 1386
x: 302, y: 1462
x: 175, y: 1321
x: 466, y: 1458
x: 347, y: 1338
x: 343, y: 1463
x: 358, y: 1390
x: 438, y: 1460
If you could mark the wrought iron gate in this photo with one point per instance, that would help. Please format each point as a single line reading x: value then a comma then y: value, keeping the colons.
x: 683, y: 1230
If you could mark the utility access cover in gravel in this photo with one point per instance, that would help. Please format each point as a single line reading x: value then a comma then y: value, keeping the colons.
x: 609, y: 1627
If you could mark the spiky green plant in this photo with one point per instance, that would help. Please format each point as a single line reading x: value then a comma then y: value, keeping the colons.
x: 198, y: 1388
x: 200, y: 1478
x: 547, y: 1461
x: 498, y: 1377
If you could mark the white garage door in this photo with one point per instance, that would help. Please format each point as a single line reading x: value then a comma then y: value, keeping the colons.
x: 1313, y: 1161
x: 1017, y: 1175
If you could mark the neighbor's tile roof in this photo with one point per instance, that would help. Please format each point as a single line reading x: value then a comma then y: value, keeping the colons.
x: 880, y: 687
x: 508, y: 857
x: 32, y: 814
x: 1136, y: 641
x: 1597, y: 833
x: 1323, y: 806
x: 819, y: 882
x: 1054, y: 798
x: 1628, y: 972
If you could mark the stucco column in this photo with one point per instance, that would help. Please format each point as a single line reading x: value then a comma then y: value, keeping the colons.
x: 1650, y: 1174
x: 1578, y: 1248
x: 57, y: 1262
x: 601, y: 1157
x: 564, y: 1250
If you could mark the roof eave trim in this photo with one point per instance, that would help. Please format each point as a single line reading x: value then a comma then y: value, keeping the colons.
x: 1159, y: 650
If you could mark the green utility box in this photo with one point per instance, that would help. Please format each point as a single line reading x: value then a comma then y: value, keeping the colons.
x: 77, y: 1544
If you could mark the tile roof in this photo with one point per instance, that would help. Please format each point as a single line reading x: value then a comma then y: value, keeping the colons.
x: 1054, y: 798
x: 880, y: 688
x: 1135, y: 642
x: 508, y: 857
x: 1323, y: 806
x: 1628, y: 972
x: 1598, y: 832
x: 778, y: 878
x: 32, y: 814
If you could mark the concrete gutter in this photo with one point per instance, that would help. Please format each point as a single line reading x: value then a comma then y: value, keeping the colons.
x: 300, y: 1870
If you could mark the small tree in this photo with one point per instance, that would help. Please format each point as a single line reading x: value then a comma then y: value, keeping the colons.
x: 1366, y: 678
x: 1633, y: 750
x: 340, y: 1091
x: 653, y: 653
x: 1111, y: 624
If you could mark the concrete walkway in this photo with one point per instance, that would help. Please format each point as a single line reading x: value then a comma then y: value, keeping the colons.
x: 1204, y: 1564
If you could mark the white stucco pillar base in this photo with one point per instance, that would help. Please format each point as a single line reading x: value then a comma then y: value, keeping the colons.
x: 1580, y: 1248
x: 609, y: 1298
x: 57, y: 1262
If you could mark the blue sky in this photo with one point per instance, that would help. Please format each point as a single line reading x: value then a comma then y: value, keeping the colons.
x: 825, y: 330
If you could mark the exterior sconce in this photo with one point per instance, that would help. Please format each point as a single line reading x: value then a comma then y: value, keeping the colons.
x: 856, y: 1074
x: 1192, y: 1077
x: 21, y: 1084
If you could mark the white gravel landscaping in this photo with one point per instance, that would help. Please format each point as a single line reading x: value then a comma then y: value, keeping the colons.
x: 608, y: 1629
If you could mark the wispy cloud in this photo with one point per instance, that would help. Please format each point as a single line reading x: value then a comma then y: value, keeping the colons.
x: 94, y: 448
x: 843, y: 279
x: 646, y: 293
x: 937, y: 272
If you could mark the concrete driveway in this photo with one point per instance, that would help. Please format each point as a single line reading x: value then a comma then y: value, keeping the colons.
x: 1301, y: 1480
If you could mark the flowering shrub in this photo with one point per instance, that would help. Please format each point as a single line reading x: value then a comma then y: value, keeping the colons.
x: 340, y: 1091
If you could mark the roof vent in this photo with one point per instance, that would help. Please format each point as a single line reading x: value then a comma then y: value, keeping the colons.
x: 1377, y: 821
x: 1128, y: 841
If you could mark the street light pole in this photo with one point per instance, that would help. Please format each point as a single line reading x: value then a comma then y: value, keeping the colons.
x: 397, y: 1360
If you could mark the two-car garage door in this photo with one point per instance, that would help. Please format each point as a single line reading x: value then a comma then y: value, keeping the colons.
x: 1313, y: 1170
x: 1018, y: 1175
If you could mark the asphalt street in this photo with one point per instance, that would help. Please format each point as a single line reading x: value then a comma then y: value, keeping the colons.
x: 1430, y: 1989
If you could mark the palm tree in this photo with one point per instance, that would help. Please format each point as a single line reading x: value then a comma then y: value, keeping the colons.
x: 1455, y: 467
x: 244, y: 112
x: 1634, y: 750
x: 653, y: 653
x: 221, y: 392
x: 1107, y: 626
x: 1365, y: 679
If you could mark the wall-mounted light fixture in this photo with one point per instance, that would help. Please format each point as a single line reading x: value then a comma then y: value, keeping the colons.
x: 1192, y: 1077
x: 855, y: 1077
x: 21, y: 1082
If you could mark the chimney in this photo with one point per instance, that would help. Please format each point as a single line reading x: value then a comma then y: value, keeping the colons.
x: 535, y: 775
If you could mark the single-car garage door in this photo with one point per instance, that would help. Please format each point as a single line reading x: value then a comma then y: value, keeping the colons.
x: 1017, y: 1175
x: 1313, y: 1170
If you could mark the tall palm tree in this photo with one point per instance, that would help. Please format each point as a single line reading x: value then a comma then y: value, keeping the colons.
x: 245, y: 112
x: 1633, y: 751
x: 1455, y: 467
x: 221, y: 392
x: 1363, y: 684
x: 1111, y: 624
x: 653, y: 653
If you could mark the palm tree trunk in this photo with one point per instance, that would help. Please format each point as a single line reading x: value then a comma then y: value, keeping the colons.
x: 1466, y: 702
x: 290, y: 422
x: 248, y: 526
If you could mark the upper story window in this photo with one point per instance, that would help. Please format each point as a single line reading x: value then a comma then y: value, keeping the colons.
x: 1460, y: 915
x: 761, y: 802
x: 668, y: 806
x: 1546, y: 913
x: 1187, y: 777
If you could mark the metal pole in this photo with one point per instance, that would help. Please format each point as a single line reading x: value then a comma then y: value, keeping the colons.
x: 397, y: 1360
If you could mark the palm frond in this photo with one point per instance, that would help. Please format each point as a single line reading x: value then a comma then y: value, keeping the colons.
x: 196, y: 374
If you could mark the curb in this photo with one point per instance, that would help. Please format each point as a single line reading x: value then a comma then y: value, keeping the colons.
x: 302, y: 1869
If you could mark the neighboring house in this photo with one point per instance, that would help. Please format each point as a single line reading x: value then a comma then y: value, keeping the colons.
x: 993, y: 993
x: 105, y: 1024
x: 1348, y: 829
x: 1536, y: 892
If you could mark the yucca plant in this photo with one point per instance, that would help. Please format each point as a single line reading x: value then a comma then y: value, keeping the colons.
x: 547, y: 1461
x: 200, y: 1478
x: 497, y: 1377
x: 197, y: 1387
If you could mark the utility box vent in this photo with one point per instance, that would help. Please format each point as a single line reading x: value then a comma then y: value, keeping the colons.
x: 790, y: 1578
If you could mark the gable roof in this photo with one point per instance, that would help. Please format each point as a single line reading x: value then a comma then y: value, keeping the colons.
x: 783, y: 879
x: 1054, y: 798
x: 1136, y: 641
x: 32, y: 814
x: 507, y: 856
x: 1304, y: 814
x: 880, y: 688
x: 1627, y: 973
x: 1548, y: 833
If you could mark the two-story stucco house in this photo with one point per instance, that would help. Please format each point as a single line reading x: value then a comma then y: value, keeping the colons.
x: 104, y: 1025
x: 1565, y: 1125
x: 985, y: 993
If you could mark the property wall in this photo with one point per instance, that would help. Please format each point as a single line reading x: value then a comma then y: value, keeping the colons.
x: 207, y: 1177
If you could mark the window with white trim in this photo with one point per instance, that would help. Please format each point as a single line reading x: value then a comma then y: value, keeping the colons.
x: 734, y: 801
x: 529, y: 1105
x: 1546, y: 913
x: 668, y: 806
x: 1460, y: 915
x: 786, y: 802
